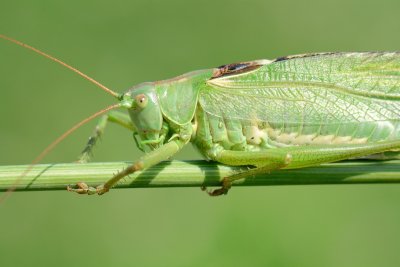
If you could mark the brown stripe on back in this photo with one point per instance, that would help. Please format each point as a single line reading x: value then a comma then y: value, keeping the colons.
x: 304, y: 56
x: 236, y: 68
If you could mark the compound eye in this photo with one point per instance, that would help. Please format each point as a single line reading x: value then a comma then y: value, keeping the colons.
x: 141, y: 100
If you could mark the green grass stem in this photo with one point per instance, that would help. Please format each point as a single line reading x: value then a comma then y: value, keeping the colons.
x: 194, y: 174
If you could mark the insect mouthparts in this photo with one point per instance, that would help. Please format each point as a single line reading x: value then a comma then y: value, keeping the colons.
x: 127, y: 102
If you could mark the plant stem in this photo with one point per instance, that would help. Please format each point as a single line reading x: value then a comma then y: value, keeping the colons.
x: 194, y: 173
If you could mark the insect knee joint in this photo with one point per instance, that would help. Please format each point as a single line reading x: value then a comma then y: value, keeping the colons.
x: 98, y: 130
x: 288, y: 158
x: 138, y: 166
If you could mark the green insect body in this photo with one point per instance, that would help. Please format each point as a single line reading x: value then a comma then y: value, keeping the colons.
x: 290, y: 112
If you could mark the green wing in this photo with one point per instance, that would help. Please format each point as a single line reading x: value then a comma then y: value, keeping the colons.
x: 317, y: 89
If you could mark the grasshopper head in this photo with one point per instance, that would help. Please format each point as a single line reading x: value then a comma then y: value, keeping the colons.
x: 145, y: 112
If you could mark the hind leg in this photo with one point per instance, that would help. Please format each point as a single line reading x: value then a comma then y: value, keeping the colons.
x: 388, y: 155
x: 296, y: 157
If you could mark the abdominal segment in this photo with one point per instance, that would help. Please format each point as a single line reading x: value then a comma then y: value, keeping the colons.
x: 252, y: 135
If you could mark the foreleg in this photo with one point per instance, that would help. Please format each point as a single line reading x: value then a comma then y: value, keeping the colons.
x: 114, y: 116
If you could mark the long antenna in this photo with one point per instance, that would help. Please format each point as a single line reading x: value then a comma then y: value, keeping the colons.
x: 50, y: 147
x: 111, y: 92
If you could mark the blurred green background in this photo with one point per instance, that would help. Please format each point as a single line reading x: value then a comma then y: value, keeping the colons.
x: 122, y: 43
